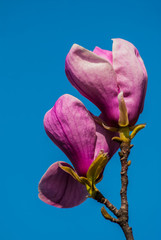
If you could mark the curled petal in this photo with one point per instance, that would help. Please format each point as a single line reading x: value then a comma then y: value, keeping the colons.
x: 72, y: 129
x: 60, y: 189
x: 104, y: 54
x: 131, y: 77
x: 94, y: 77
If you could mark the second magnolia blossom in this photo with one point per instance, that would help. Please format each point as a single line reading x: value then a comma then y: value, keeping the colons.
x: 102, y: 75
x: 71, y: 127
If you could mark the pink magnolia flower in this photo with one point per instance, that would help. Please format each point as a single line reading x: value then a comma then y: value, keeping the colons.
x: 71, y: 127
x: 102, y: 75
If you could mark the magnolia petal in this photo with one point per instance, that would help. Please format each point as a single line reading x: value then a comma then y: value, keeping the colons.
x: 60, y: 189
x: 94, y: 77
x: 71, y: 127
x: 131, y: 77
x: 104, y: 54
x: 104, y: 140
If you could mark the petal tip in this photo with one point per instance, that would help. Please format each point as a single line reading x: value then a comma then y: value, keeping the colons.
x: 59, y: 189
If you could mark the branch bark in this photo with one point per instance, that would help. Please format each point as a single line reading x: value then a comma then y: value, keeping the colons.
x: 100, y: 198
x: 122, y: 213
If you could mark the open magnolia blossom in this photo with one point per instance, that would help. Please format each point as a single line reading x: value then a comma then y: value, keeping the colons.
x: 72, y: 128
x: 107, y: 78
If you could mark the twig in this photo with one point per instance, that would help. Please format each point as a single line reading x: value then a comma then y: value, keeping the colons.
x: 100, y: 198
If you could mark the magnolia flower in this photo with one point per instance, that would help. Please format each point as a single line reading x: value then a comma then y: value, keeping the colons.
x: 106, y: 77
x: 72, y: 128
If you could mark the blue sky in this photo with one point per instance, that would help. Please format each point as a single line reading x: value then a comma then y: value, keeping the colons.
x: 35, y: 37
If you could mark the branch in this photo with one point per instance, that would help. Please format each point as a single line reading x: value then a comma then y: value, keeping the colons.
x: 101, y: 199
x: 123, y: 211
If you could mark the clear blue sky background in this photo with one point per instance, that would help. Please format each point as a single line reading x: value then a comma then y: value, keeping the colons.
x: 35, y: 37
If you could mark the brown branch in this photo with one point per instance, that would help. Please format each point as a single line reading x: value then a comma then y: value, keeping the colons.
x: 101, y: 199
x: 123, y: 211
x: 125, y: 150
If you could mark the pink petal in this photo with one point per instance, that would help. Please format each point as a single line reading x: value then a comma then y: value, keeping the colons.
x: 131, y: 76
x: 60, y: 189
x: 105, y: 142
x: 104, y: 54
x: 94, y: 77
x: 72, y: 129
